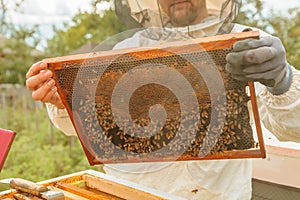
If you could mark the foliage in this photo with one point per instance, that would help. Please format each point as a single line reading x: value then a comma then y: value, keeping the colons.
x: 86, y: 27
x: 287, y: 29
x: 251, y: 14
x: 32, y: 155
x: 17, y: 55
x: 16, y: 52
x: 4, y: 21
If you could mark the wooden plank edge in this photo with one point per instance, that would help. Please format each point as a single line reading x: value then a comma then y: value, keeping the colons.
x: 165, y: 49
x: 257, y: 120
x: 120, y: 190
x: 232, y: 154
x: 80, y: 192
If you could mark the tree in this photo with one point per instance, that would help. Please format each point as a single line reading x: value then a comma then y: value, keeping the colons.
x: 251, y: 14
x: 4, y: 21
x: 123, y: 12
x: 85, y: 27
x: 287, y: 29
x: 16, y: 53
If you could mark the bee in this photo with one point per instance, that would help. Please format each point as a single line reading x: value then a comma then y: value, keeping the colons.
x: 194, y: 191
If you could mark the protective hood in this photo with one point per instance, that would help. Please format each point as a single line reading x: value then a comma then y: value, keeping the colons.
x: 222, y: 14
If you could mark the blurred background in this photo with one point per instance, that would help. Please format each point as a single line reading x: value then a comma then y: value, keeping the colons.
x: 31, y: 30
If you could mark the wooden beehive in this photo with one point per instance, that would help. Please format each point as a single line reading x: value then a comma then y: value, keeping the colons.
x: 112, y: 96
x: 90, y: 184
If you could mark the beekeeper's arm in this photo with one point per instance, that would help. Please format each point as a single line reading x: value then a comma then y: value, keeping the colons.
x: 60, y: 119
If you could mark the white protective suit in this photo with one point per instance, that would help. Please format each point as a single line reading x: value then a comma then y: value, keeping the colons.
x: 220, y: 179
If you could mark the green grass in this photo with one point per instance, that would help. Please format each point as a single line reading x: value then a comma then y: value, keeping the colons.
x: 37, y: 155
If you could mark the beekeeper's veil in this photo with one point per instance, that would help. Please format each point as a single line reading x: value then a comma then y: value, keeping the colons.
x: 222, y: 14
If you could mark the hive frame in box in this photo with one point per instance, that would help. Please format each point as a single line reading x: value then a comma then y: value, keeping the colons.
x: 83, y: 61
x: 90, y: 184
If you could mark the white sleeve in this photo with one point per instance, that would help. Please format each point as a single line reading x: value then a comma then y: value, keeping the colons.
x: 60, y: 119
x: 280, y: 113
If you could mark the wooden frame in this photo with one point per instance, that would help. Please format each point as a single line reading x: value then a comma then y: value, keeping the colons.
x: 213, y: 43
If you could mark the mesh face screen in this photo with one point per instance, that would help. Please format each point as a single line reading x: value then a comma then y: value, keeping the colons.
x: 121, y: 116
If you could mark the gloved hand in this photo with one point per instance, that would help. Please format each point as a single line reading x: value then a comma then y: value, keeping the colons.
x: 262, y: 60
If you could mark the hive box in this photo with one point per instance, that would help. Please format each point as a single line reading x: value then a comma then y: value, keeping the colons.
x: 91, y: 184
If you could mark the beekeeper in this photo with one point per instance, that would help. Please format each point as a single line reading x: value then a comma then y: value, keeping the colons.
x: 260, y: 60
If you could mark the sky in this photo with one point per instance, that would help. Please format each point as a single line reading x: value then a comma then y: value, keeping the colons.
x: 50, y: 12
x: 47, y: 13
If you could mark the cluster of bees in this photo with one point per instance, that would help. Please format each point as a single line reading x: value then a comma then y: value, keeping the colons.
x: 210, y: 128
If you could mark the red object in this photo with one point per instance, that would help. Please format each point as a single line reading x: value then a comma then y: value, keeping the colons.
x: 6, y: 139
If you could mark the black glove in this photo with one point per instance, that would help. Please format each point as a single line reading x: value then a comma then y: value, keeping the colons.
x: 262, y: 60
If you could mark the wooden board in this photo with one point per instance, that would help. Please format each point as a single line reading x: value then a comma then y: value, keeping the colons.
x: 218, y: 128
x: 94, y: 185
